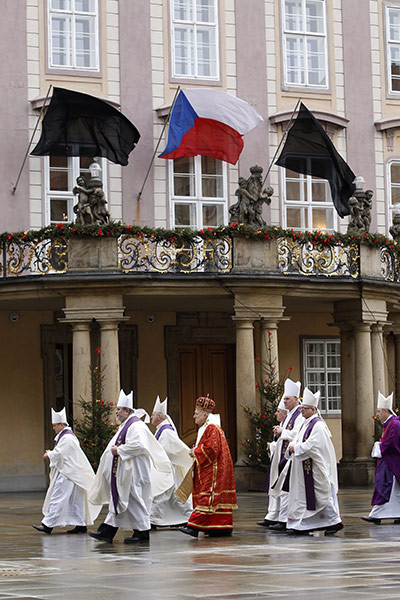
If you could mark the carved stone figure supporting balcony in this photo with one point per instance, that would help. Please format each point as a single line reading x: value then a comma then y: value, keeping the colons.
x: 250, y: 200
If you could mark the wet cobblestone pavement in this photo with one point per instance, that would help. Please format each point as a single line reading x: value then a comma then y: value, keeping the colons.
x: 362, y: 561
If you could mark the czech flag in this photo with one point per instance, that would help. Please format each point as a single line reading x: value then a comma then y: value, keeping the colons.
x: 209, y: 122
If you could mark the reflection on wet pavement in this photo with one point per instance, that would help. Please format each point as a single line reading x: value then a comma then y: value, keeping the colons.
x: 362, y: 561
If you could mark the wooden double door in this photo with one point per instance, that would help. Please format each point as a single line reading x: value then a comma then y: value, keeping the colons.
x: 207, y: 369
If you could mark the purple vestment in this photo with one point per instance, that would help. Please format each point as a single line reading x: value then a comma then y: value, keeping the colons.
x: 159, y: 432
x: 64, y: 432
x: 389, y: 465
x: 285, y: 444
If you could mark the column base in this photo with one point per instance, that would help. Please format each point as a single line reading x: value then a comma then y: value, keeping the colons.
x: 354, y: 472
x: 247, y: 479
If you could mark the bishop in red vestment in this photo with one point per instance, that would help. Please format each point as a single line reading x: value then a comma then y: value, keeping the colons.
x: 214, y: 493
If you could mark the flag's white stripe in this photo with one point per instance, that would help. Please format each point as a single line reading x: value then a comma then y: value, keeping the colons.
x: 220, y: 106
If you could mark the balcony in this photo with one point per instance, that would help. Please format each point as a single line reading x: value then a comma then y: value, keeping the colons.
x: 230, y: 251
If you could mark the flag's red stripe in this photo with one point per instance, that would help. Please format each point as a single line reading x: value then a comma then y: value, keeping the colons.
x: 210, y: 138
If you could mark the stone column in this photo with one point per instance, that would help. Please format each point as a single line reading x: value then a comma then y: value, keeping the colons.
x: 109, y: 359
x: 364, y: 388
x: 269, y: 347
x: 82, y: 378
x: 378, y: 360
x: 348, y: 396
x: 245, y: 382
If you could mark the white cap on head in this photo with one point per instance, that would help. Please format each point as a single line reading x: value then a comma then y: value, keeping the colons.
x: 125, y: 401
x: 281, y: 405
x: 160, y: 407
x: 384, y: 402
x: 292, y: 388
x: 59, y: 417
x: 310, y: 399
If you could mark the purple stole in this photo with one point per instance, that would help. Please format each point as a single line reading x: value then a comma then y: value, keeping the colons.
x: 307, y: 469
x: 159, y: 432
x: 64, y: 432
x: 120, y: 440
x: 285, y: 444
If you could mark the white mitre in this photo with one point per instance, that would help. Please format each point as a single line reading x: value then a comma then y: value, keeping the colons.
x: 281, y: 405
x: 160, y: 407
x: 310, y: 399
x: 384, y: 402
x: 125, y: 401
x: 59, y: 417
x: 292, y: 388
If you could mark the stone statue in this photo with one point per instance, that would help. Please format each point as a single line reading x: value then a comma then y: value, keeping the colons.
x: 360, y: 205
x: 250, y: 200
x: 91, y: 206
x: 395, y: 229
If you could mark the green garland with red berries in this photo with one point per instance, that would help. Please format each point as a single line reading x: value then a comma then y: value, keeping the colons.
x: 114, y: 229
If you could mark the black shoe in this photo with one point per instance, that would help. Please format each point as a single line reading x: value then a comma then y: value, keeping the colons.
x: 396, y: 522
x: 105, y: 533
x: 266, y: 523
x: 372, y: 520
x: 219, y: 532
x: 138, y: 537
x: 78, y: 529
x: 43, y: 528
x: 279, y: 526
x: 153, y: 527
x: 333, y: 529
x: 189, y: 530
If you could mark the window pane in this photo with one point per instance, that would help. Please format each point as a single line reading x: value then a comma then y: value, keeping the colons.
x: 314, y: 17
x: 185, y: 215
x: 316, y: 61
x: 205, y: 11
x: 394, y: 25
x: 184, y: 51
x: 59, y: 161
x: 85, y: 5
x: 183, y: 10
x: 295, y: 60
x: 59, y: 181
x: 293, y: 218
x: 293, y: 15
x: 206, y: 53
x: 293, y: 191
x: 61, y: 41
x: 184, y: 165
x: 315, y: 355
x: 332, y: 355
x: 319, y: 191
x: 60, y: 5
x: 184, y: 177
x: 322, y: 218
x: 213, y: 215
x: 58, y: 210
x: 85, y: 43
x: 85, y: 162
x: 395, y: 195
x: 395, y: 172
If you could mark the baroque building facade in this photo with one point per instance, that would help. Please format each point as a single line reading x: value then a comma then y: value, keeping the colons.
x: 184, y: 321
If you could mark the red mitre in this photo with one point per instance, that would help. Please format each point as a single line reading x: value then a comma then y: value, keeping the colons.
x: 206, y: 404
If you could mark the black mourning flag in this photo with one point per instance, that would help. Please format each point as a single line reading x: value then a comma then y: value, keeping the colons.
x: 309, y: 150
x: 77, y: 124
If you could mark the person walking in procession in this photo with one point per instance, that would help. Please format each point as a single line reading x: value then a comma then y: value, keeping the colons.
x: 214, y: 493
x: 124, y: 478
x: 167, y: 510
x: 313, y: 486
x: 71, y: 477
x: 386, y: 496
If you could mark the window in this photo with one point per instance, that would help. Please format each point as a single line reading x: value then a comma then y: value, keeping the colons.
x: 305, y: 43
x: 73, y: 34
x: 394, y: 189
x: 393, y: 48
x: 321, y: 359
x: 307, y: 202
x: 195, y: 39
x: 198, y: 192
x: 61, y: 173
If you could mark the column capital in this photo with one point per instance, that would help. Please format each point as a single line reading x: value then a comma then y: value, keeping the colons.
x: 243, y: 322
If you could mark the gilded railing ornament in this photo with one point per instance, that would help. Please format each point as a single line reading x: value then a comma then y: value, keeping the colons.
x: 390, y: 267
x: 138, y: 254
x: 35, y: 258
x: 318, y: 259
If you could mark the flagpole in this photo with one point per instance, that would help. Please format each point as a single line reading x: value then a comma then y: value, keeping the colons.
x: 159, y: 140
x: 30, y: 141
x: 282, y: 140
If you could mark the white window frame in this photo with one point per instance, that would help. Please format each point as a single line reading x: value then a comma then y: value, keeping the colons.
x: 73, y: 172
x: 195, y: 25
x: 324, y: 401
x: 197, y: 198
x: 302, y: 34
x: 390, y: 212
x: 73, y: 15
x: 389, y: 44
x: 307, y: 206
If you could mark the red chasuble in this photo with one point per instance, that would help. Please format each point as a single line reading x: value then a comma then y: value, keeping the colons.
x: 214, y: 493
